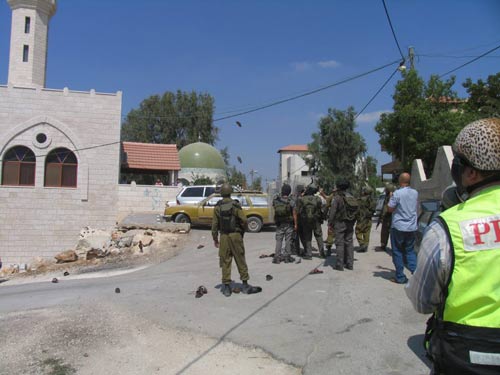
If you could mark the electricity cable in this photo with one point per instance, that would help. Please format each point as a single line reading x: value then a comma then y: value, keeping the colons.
x: 392, y: 29
x: 470, y: 62
x: 376, y: 94
x: 307, y: 93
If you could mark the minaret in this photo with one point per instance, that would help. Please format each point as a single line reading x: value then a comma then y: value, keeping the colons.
x: 28, y: 41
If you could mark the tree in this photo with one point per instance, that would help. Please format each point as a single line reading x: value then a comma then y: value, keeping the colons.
x: 181, y: 118
x: 202, y: 180
x: 256, y: 184
x: 425, y: 117
x: 484, y: 97
x: 335, y: 148
x: 236, y: 178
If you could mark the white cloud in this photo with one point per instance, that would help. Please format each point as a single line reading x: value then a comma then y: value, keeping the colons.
x: 302, y: 66
x: 371, y: 116
x: 329, y: 64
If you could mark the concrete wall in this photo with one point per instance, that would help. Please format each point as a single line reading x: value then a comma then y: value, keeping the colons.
x: 42, y: 221
x: 432, y: 188
x: 291, y: 166
x: 144, y: 198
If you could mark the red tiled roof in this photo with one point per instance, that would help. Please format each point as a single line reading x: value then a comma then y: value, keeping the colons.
x: 294, y: 148
x: 150, y: 156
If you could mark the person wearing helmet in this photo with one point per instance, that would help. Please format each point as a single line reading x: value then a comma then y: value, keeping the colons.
x: 285, y: 217
x: 457, y: 278
x: 342, y: 218
x: 364, y: 218
x: 231, y: 222
x: 385, y: 218
x: 309, y: 209
x: 450, y: 197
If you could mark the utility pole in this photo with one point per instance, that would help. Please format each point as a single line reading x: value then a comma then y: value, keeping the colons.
x: 252, y: 173
x: 411, y: 57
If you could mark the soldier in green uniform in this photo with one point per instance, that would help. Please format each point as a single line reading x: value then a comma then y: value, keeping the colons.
x: 309, y: 208
x: 330, y: 239
x: 385, y: 219
x: 231, y: 222
x: 364, y: 219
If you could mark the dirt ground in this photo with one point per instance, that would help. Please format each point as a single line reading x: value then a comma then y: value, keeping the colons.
x: 106, y: 339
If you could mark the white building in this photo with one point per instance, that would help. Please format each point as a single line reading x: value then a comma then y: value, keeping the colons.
x: 293, y: 168
x: 59, y: 149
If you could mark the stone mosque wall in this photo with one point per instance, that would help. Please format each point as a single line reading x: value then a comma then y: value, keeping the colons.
x: 42, y: 221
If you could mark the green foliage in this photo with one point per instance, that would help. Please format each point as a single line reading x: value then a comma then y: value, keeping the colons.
x: 335, y: 148
x: 181, y: 118
x: 202, y: 180
x: 425, y: 117
x: 236, y: 178
x: 484, y: 97
x: 256, y: 184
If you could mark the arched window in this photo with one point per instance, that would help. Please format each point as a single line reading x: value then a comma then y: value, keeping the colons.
x: 61, y: 167
x: 19, y: 167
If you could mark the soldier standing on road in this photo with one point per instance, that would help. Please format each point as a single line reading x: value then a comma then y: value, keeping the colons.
x: 309, y: 209
x: 342, y: 218
x: 330, y: 233
x: 285, y: 217
x: 298, y: 235
x: 231, y: 222
x: 385, y: 219
x: 364, y: 219
x: 457, y: 276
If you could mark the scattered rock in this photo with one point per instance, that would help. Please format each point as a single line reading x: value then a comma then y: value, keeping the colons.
x: 85, y: 355
x: 54, y: 280
x: 117, y: 290
x: 269, y: 277
x: 95, y: 253
x: 66, y: 273
x: 200, y: 247
x: 66, y: 256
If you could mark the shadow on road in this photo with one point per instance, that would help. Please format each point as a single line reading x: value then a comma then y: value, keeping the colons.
x: 416, y: 344
x: 385, y: 273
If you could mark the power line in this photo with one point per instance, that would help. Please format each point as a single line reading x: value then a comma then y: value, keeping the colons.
x: 307, y: 93
x: 454, y: 57
x: 392, y: 29
x: 470, y: 62
x: 378, y: 92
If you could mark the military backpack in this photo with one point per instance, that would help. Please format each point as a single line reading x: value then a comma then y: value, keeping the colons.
x: 308, y: 209
x: 351, y: 207
x: 227, y: 217
x: 282, y: 210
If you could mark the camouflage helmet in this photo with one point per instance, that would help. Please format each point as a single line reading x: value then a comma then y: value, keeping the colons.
x: 226, y: 190
x: 390, y: 187
x: 479, y: 144
x: 367, y: 190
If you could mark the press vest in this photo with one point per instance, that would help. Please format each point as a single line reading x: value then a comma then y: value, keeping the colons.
x: 465, y: 336
x: 473, y: 291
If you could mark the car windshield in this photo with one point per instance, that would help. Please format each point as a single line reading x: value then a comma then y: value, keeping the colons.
x: 259, y: 201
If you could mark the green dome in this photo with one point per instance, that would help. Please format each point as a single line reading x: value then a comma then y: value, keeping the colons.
x: 200, y: 155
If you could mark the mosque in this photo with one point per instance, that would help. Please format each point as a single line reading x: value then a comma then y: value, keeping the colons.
x: 57, y: 177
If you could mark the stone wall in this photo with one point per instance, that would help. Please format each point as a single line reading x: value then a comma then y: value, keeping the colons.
x: 432, y: 188
x: 134, y: 198
x: 42, y: 221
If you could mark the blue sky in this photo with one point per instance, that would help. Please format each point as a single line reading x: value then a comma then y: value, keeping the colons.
x: 250, y: 53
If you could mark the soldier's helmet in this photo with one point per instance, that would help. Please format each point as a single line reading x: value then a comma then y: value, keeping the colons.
x: 367, y: 190
x: 478, y: 144
x: 390, y: 188
x: 312, y: 189
x: 226, y: 190
x: 286, y: 189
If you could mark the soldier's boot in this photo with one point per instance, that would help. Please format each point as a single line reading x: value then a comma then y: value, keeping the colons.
x: 226, y: 290
x: 328, y: 251
x: 249, y: 289
x: 276, y: 259
x: 322, y: 253
x: 363, y: 249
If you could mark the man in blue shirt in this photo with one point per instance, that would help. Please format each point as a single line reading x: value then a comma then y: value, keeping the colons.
x: 403, y: 205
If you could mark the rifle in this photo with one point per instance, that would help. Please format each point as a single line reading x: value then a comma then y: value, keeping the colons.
x: 384, y: 212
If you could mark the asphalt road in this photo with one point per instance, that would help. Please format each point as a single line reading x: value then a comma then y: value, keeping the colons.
x: 350, y: 322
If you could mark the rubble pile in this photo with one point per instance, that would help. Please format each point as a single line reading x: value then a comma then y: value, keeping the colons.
x: 96, y: 244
